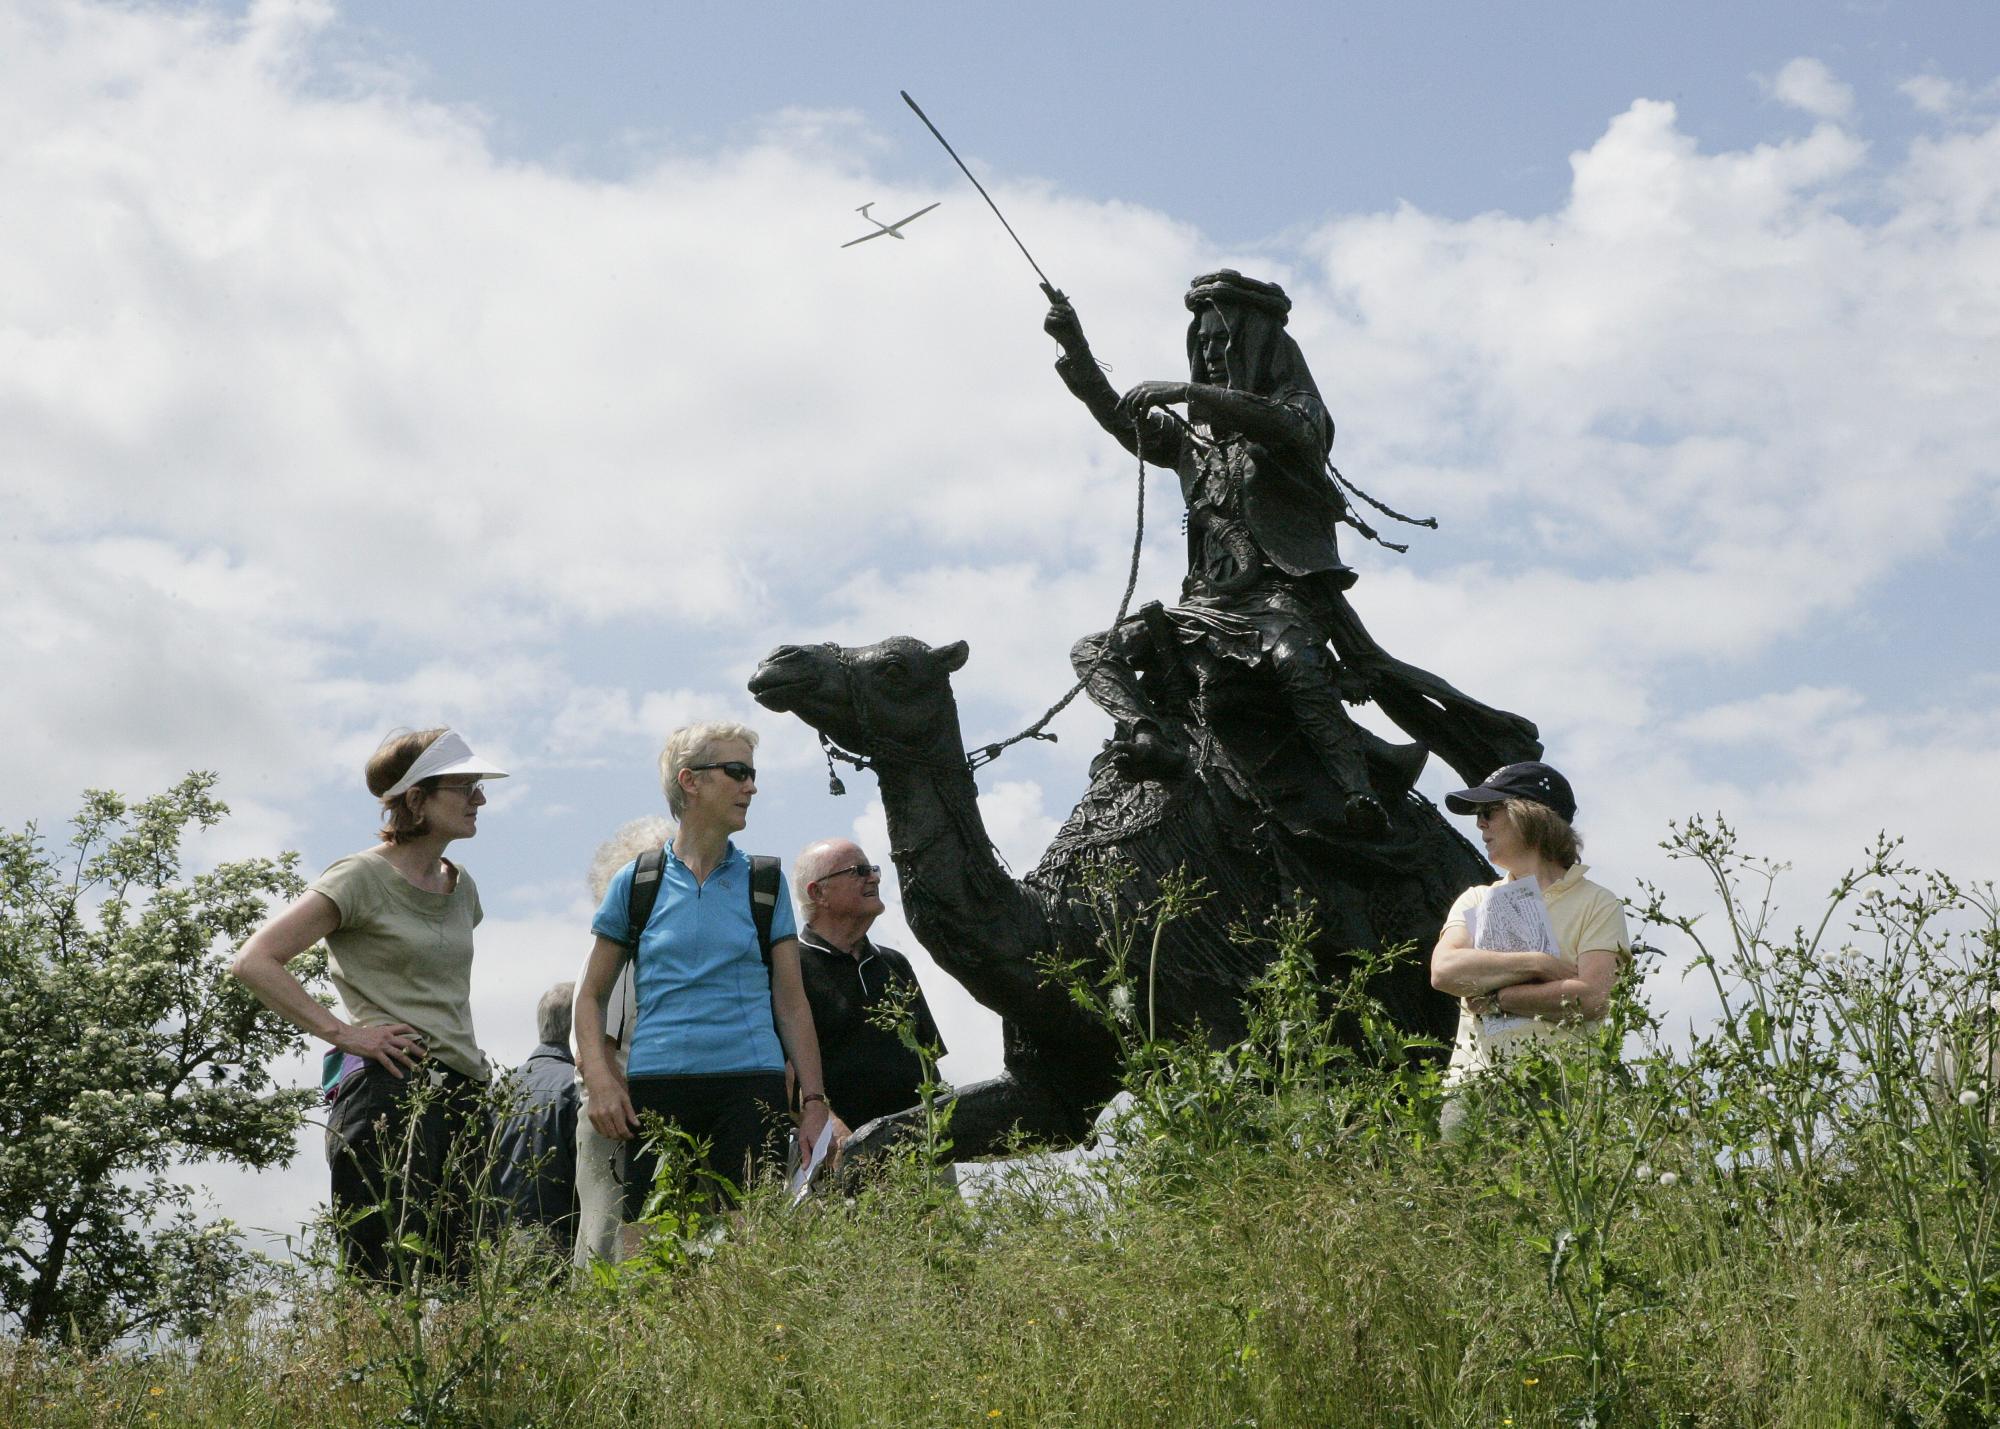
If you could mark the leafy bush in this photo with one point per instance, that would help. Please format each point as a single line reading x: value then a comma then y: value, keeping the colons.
x: 125, y: 1047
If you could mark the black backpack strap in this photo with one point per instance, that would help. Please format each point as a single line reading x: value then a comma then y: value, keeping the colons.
x: 764, y: 880
x: 763, y: 899
x: 643, y: 894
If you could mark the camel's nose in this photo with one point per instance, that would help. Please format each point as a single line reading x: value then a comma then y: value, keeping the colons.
x: 784, y: 668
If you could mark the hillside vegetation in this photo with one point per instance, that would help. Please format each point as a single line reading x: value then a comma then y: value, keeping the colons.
x: 1789, y: 1221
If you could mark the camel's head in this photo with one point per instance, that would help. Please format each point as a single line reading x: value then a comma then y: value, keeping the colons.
x: 878, y: 700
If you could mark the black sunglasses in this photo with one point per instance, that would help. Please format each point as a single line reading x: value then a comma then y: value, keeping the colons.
x: 859, y: 870
x: 735, y: 768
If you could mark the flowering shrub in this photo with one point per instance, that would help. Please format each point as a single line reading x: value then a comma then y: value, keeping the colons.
x: 125, y: 1047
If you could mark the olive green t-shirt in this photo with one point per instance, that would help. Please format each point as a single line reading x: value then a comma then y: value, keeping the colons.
x: 402, y: 954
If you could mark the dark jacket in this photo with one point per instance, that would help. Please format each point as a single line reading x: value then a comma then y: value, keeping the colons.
x: 535, y: 1163
x: 868, y: 1070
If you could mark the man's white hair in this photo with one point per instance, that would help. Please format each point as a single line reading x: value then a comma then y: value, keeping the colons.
x: 621, y: 848
x: 552, y: 1014
x: 695, y: 744
x: 812, y: 864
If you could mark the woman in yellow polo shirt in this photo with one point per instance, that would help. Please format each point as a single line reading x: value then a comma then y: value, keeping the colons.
x: 1511, y: 997
x: 397, y: 920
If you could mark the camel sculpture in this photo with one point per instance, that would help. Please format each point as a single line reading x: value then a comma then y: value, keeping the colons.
x: 892, y: 704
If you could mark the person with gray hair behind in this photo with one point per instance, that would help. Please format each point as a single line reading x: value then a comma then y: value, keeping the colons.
x: 534, y: 1164
x: 600, y: 1161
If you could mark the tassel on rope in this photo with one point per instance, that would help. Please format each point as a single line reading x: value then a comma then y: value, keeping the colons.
x: 833, y: 784
x: 1391, y: 512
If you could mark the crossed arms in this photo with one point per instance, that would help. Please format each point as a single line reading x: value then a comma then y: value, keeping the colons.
x: 1525, y: 983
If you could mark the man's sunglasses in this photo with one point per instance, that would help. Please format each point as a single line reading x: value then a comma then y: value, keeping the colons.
x: 859, y: 870
x: 735, y: 768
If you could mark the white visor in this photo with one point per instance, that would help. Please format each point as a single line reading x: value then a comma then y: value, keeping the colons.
x: 448, y: 754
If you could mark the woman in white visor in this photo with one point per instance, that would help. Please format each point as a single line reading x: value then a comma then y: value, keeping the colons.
x: 406, y: 1078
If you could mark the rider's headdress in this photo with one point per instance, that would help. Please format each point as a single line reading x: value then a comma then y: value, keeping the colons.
x: 1226, y: 285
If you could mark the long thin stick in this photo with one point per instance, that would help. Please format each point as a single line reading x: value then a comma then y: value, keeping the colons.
x: 1049, y: 288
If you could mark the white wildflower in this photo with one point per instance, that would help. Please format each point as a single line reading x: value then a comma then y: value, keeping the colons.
x: 1968, y: 1097
x: 1668, y: 1178
x: 1121, y: 1002
x: 1644, y: 1173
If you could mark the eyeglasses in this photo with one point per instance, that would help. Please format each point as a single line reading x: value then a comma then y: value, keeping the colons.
x: 859, y: 870
x: 735, y: 768
x: 471, y: 791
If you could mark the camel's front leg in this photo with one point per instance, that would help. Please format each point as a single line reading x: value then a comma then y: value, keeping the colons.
x: 984, y: 1117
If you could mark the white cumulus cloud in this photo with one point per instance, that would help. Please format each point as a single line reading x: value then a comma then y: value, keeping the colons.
x: 1807, y: 84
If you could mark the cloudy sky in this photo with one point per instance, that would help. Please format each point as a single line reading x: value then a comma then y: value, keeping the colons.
x: 384, y: 364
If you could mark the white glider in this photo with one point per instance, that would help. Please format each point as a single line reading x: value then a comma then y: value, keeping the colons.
x: 881, y: 227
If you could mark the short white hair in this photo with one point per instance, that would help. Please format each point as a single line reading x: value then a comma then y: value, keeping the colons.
x: 621, y: 848
x: 692, y: 744
x: 810, y: 867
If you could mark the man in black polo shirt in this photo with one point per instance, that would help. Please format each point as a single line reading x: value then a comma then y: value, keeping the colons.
x: 869, y: 1072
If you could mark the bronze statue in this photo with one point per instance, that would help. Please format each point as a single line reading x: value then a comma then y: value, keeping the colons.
x: 1233, y: 759
x: 1264, y: 569
x: 891, y: 704
x: 1266, y: 591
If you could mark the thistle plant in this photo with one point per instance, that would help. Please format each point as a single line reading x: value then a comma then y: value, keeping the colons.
x: 1850, y: 1070
x: 1588, y: 1128
x: 1116, y: 996
x: 1762, y: 1082
x: 928, y: 1150
x: 1320, y: 1060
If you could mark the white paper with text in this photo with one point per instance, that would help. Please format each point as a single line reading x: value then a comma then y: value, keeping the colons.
x: 1512, y: 918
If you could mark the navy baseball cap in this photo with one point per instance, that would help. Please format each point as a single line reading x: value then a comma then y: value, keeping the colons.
x: 1531, y: 780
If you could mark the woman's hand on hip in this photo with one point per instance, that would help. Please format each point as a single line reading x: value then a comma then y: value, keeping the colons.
x: 397, y: 1046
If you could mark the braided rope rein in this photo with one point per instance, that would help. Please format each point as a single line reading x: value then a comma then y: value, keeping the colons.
x: 987, y: 753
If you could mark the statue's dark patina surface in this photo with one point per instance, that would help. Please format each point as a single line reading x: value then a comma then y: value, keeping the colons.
x: 1232, y: 757
x: 1263, y: 559
x: 1264, y: 629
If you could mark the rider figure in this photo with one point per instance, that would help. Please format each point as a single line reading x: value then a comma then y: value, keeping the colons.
x: 1264, y: 573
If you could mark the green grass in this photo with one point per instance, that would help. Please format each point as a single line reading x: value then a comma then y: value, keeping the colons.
x: 1274, y: 1288
x: 1792, y: 1221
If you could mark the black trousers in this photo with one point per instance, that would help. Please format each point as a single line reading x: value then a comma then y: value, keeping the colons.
x: 405, y: 1156
x: 741, y: 1115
